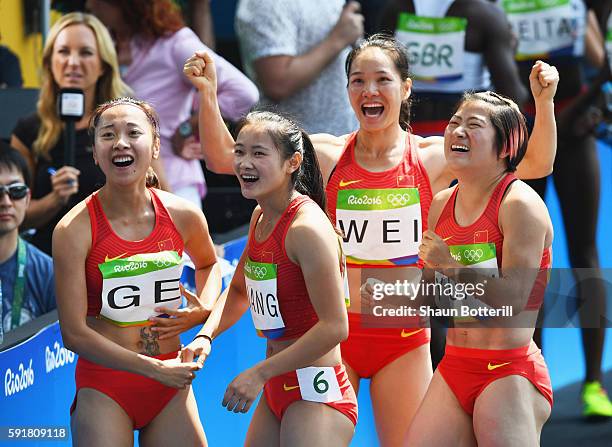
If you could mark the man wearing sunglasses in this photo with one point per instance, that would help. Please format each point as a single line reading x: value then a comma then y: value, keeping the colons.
x: 26, y: 273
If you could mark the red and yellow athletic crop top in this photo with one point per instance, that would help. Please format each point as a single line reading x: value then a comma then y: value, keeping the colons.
x: 278, y: 298
x: 381, y: 214
x: 482, y: 241
x: 107, y: 247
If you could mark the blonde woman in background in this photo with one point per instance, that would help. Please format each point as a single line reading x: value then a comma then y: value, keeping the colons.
x: 78, y: 53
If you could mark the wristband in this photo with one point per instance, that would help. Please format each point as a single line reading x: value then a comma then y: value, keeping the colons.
x: 207, y: 337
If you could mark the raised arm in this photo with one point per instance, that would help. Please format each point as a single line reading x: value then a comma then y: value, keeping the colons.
x: 542, y: 148
x: 216, y: 140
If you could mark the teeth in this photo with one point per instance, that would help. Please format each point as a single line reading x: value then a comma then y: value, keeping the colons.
x: 372, y: 105
x: 460, y: 147
x: 122, y: 159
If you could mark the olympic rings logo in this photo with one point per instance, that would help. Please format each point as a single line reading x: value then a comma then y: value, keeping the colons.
x: 398, y: 199
x: 258, y: 271
x: 473, y: 255
x: 161, y: 263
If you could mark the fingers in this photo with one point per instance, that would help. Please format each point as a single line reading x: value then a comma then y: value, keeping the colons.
x: 196, y: 64
x: 201, y: 360
x: 65, y: 181
x: 191, y: 297
x: 234, y: 402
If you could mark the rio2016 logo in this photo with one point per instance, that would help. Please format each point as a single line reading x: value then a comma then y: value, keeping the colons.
x: 57, y: 358
x: 18, y: 381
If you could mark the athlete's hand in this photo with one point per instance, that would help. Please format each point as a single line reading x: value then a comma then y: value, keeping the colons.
x: 200, y: 70
x: 243, y: 391
x: 174, y: 373
x: 180, y: 320
x: 543, y: 81
x: 200, y: 347
x: 435, y: 253
x: 349, y: 26
x: 65, y: 183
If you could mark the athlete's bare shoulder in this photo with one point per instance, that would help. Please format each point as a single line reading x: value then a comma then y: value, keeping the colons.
x: 72, y: 234
x: 523, y: 205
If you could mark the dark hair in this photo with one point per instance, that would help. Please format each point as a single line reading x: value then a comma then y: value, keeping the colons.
x: 511, y: 135
x: 289, y: 138
x: 11, y: 159
x: 150, y: 18
x: 398, y: 54
x: 151, y: 179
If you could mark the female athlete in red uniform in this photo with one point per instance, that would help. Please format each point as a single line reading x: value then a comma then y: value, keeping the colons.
x: 492, y: 381
x: 117, y: 258
x: 290, y: 277
x: 380, y: 181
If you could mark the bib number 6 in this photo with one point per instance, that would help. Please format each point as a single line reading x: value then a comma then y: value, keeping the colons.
x: 321, y: 386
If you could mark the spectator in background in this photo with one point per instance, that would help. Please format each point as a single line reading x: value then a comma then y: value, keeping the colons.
x: 10, y: 70
x: 295, y: 51
x: 79, y: 53
x: 152, y: 43
x: 26, y: 272
x: 576, y: 170
x: 477, y: 52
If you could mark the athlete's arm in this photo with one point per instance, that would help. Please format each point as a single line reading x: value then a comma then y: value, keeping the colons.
x: 228, y: 309
x: 216, y: 140
x: 313, y: 245
x: 71, y: 244
x: 524, y: 222
x: 542, y: 148
x: 192, y: 226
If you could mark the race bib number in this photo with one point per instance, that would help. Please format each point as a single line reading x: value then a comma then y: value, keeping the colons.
x: 319, y: 384
x: 260, y: 281
x: 380, y: 226
x: 435, y: 46
x: 133, y: 287
x: 546, y: 28
x: 456, y: 296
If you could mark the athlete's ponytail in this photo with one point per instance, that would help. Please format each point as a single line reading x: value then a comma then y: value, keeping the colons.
x: 152, y: 180
x: 309, y: 179
x: 289, y: 138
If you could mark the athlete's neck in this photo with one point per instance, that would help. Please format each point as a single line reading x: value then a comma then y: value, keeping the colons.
x: 126, y: 202
x: 274, y: 206
x: 474, y: 188
x: 378, y: 144
x: 8, y: 245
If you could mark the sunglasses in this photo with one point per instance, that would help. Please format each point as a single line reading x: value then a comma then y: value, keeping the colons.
x: 15, y: 191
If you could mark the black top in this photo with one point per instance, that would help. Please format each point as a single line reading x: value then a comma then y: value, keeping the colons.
x: 10, y: 71
x: 90, y: 180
